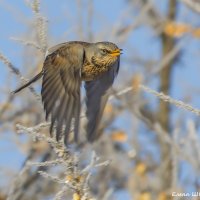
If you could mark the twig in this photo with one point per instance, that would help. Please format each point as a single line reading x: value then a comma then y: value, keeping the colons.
x: 61, y: 193
x: 161, y: 96
x: 47, y: 163
x: 194, y: 5
x: 16, y: 71
x: 168, y: 99
x: 108, y: 194
x: 16, y: 184
x: 28, y: 43
x: 169, y: 56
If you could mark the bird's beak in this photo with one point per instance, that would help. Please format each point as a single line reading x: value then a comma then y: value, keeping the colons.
x: 116, y: 52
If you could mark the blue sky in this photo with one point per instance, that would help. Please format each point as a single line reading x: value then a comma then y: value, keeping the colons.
x: 62, y: 18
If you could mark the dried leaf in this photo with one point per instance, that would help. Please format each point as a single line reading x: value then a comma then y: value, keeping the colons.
x: 136, y: 81
x: 119, y: 136
x: 145, y: 196
x: 140, y: 168
x: 196, y: 33
x: 162, y: 196
x: 76, y: 196
x: 176, y: 30
x: 69, y: 178
x: 108, y: 109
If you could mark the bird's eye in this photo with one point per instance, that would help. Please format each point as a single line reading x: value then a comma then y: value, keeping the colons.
x: 104, y: 51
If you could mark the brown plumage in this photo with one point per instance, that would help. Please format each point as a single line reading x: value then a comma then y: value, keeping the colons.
x: 68, y: 64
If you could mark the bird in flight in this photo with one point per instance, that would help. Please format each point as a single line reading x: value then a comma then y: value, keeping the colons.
x: 65, y: 66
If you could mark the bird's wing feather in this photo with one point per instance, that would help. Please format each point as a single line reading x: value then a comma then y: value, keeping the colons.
x: 61, y: 87
x: 97, y: 93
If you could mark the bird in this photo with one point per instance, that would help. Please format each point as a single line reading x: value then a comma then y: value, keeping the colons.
x: 65, y: 67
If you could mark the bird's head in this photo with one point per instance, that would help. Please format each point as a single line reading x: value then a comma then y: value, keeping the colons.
x: 104, y: 53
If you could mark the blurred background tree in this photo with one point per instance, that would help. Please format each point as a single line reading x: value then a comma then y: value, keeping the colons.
x: 149, y: 144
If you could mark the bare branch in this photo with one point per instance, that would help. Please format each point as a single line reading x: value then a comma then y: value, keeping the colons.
x: 192, y: 4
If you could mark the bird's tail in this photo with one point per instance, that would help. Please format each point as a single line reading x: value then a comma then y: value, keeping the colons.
x: 35, y: 78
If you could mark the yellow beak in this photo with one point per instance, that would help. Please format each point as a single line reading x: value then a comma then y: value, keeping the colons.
x: 116, y: 52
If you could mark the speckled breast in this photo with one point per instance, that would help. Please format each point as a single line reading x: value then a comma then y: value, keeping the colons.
x: 91, y: 72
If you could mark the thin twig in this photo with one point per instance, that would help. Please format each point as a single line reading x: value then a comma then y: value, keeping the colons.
x: 162, y: 96
x: 194, y: 5
x: 28, y: 43
x: 16, y: 71
x: 169, y: 99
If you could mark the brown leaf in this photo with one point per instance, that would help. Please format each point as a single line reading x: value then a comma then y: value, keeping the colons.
x: 162, y: 196
x: 176, y: 30
x: 136, y: 81
x: 108, y: 109
x: 145, y: 196
x: 196, y: 32
x: 140, y: 169
x: 119, y: 136
x: 76, y: 196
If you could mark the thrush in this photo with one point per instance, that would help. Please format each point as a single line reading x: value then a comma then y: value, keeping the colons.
x: 65, y: 67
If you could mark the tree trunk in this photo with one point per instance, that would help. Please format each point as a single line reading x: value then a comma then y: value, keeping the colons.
x: 168, y: 44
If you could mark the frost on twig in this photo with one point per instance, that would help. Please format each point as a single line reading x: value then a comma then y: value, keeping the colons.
x: 40, y: 24
x: 163, y: 97
x: 16, y: 71
x: 172, y: 101
x: 73, y: 178
x: 27, y: 43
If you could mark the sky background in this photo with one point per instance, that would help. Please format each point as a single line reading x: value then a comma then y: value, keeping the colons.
x: 15, y: 16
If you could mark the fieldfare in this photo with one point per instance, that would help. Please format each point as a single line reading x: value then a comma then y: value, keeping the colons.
x: 65, y: 66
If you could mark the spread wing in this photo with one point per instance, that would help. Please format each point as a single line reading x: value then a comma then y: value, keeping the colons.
x: 97, y: 93
x: 61, y: 88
